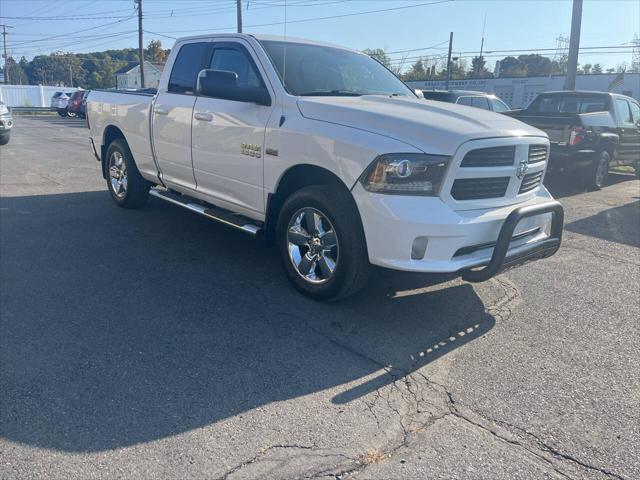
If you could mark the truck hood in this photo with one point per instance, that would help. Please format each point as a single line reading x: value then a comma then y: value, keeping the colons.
x: 433, y: 127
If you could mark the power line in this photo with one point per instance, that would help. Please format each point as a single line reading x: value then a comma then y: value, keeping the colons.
x: 302, y: 20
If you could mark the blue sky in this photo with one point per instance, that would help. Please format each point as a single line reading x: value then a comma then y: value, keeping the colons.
x: 510, y: 24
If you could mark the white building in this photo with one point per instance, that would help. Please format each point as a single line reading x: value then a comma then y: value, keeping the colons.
x: 519, y: 91
x: 129, y: 77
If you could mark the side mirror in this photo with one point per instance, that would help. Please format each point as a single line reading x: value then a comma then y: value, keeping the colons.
x: 419, y: 93
x: 224, y: 84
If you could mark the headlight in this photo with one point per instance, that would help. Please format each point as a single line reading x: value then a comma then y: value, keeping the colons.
x: 405, y: 174
x: 3, y: 109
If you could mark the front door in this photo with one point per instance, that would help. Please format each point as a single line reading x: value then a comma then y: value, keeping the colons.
x: 228, y: 135
x: 627, y: 132
x: 172, y: 113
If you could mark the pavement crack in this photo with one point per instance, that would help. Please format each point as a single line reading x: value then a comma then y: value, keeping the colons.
x: 540, y: 444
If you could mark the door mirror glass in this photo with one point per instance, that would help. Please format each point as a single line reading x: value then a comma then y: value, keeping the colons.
x: 223, y: 84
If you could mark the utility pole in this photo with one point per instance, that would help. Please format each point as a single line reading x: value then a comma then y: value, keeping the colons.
x: 5, y: 56
x: 574, y: 45
x: 479, y: 69
x: 446, y: 83
x: 239, y: 13
x: 140, y: 42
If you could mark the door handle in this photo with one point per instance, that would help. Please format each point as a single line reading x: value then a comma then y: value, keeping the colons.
x: 204, y: 116
x: 160, y: 111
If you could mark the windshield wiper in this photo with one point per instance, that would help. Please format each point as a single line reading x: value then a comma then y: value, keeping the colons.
x: 331, y: 93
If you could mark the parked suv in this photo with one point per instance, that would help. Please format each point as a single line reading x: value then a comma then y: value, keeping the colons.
x: 486, y: 101
x: 6, y: 123
x: 60, y: 102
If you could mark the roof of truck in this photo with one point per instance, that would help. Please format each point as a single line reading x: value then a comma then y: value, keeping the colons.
x: 260, y: 37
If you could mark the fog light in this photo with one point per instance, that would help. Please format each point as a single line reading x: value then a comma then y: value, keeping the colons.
x: 419, y: 248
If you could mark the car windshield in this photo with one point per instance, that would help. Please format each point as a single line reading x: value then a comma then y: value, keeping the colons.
x: 317, y: 70
x: 569, y: 104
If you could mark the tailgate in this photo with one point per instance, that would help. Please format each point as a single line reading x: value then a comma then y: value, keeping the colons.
x: 556, y: 126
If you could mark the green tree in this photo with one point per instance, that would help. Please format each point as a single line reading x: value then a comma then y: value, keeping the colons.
x: 479, y: 69
x: 380, y: 55
x: 154, y: 52
x: 418, y: 71
x: 597, y: 68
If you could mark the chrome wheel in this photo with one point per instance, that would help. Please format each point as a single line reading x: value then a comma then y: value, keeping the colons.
x: 602, y: 170
x: 313, y: 245
x: 118, y: 174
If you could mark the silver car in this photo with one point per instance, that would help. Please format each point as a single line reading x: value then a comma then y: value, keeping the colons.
x: 6, y: 123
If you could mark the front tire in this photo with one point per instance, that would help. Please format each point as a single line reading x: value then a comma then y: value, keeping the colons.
x: 322, y: 244
x: 126, y: 186
x: 4, y: 139
x: 598, y: 173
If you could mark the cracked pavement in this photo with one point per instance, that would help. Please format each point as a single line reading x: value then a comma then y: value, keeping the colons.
x: 155, y: 344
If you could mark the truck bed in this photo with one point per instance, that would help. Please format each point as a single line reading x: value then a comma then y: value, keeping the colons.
x: 129, y: 111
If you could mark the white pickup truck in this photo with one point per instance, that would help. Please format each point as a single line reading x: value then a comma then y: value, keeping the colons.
x: 325, y: 151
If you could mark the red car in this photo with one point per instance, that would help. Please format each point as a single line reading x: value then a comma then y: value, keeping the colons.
x: 76, y: 106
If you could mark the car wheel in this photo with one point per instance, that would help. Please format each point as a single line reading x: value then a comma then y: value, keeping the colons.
x: 61, y: 112
x: 599, y: 172
x: 126, y: 186
x: 4, y: 139
x: 321, y: 242
x: 69, y: 113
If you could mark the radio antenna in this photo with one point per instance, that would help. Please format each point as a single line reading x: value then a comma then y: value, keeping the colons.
x: 284, y: 48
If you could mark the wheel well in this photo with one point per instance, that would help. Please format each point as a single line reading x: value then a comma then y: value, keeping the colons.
x: 111, y: 133
x: 291, y: 181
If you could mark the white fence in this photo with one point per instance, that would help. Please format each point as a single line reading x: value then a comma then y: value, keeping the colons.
x: 34, y: 96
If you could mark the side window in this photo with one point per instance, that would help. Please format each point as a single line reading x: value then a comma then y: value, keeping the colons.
x: 635, y: 112
x: 468, y: 101
x: 499, y: 106
x: 624, y: 112
x: 186, y: 67
x: 238, y: 61
x: 480, y: 102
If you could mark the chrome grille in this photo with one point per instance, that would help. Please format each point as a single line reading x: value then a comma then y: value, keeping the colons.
x: 530, y: 182
x: 479, y: 188
x: 537, y: 153
x: 490, y: 157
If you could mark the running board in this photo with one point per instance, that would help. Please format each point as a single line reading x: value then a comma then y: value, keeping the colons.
x: 214, y: 213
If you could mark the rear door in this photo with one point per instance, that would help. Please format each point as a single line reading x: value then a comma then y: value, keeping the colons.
x: 172, y: 114
x: 228, y: 135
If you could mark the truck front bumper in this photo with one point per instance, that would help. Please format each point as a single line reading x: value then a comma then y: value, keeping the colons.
x: 423, y: 234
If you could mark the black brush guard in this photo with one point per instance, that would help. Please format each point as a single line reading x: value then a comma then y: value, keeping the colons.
x: 501, y: 260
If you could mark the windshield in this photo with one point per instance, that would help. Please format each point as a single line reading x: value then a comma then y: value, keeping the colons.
x: 314, y: 70
x: 569, y: 104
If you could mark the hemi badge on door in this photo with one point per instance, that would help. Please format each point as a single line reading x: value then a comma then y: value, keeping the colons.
x: 271, y: 151
x: 251, y: 150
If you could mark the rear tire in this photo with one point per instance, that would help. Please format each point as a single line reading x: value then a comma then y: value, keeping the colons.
x: 126, y: 186
x: 597, y: 174
x: 4, y: 139
x: 322, y: 244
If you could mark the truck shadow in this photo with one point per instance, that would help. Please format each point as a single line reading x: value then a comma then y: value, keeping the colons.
x: 619, y: 224
x: 121, y: 327
x: 562, y: 184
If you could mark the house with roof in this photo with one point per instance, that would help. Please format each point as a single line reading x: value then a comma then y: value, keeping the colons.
x: 128, y: 77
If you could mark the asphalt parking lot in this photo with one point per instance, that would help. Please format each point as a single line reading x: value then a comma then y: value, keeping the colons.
x: 155, y: 344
